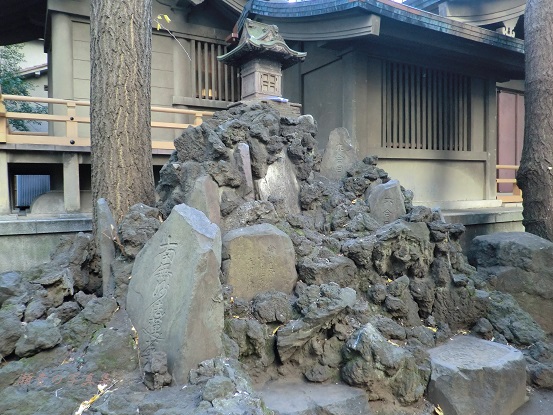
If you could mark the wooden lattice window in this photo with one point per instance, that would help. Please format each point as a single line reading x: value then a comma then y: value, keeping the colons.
x: 425, y: 109
x: 213, y: 80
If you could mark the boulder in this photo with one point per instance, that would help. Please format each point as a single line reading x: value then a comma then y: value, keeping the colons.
x: 38, y: 335
x: 339, y: 156
x: 280, y: 181
x: 175, y: 299
x: 259, y: 258
x: 471, y: 376
x: 386, y: 370
x: 518, y: 263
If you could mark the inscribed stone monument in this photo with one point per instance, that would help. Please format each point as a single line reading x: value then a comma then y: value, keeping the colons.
x: 339, y: 155
x: 242, y: 155
x: 386, y: 202
x: 259, y: 258
x: 471, y: 376
x: 174, y: 299
x: 280, y: 181
x: 106, y: 230
x: 205, y: 198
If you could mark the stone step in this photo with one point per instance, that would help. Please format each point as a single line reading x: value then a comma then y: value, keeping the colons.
x: 299, y: 398
x: 471, y: 376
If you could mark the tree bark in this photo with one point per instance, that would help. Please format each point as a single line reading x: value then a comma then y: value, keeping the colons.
x: 535, y: 176
x: 120, y: 56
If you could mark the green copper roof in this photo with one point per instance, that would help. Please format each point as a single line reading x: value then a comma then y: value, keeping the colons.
x: 261, y: 40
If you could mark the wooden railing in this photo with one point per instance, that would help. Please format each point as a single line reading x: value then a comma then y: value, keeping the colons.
x: 516, y: 196
x: 72, y: 122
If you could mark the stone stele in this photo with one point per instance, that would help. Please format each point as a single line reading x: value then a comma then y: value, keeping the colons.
x: 471, y: 376
x: 175, y: 297
x: 280, y: 181
x: 339, y: 155
x: 259, y: 258
x: 386, y: 202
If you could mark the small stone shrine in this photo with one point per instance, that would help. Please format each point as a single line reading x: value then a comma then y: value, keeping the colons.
x: 261, y: 55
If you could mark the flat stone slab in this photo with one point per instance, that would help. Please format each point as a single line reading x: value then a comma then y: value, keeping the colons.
x: 175, y: 297
x: 311, y: 399
x: 339, y: 155
x: 471, y: 376
x: 259, y: 258
x: 386, y: 201
x: 280, y: 181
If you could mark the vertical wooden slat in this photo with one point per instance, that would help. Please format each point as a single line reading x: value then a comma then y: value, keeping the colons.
x: 434, y: 111
x: 389, y: 105
x: 467, y: 114
x: 206, y: 69
x: 199, y: 65
x: 424, y: 101
x: 413, y: 93
x: 401, y: 107
x: 226, y: 78
x: 232, y: 81
x: 441, y: 115
x: 219, y: 75
x: 456, y: 97
x: 384, y: 77
x: 193, y: 67
x: 214, y: 90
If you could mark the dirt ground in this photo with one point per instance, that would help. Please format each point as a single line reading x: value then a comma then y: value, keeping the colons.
x: 540, y: 403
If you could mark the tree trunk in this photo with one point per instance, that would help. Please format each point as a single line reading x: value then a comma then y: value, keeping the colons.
x: 535, y: 176
x: 120, y: 56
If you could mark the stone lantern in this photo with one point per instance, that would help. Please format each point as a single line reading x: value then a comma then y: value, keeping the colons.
x: 261, y: 55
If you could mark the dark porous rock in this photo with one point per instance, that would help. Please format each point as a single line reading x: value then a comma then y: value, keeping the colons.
x: 403, y: 248
x: 35, y: 310
x: 539, y: 358
x: 423, y: 334
x: 137, y: 227
x: 99, y: 310
x: 225, y: 173
x: 331, y: 268
x: 78, y: 330
x: 121, y: 269
x: 218, y: 387
x: 113, y: 348
x: 378, y: 293
x: 518, y: 263
x: 460, y: 307
x: 65, y: 312
x: 10, y: 285
x: 11, y: 328
x: 83, y: 299
x: 272, y: 307
x: 318, y: 306
x: 199, y: 144
x: 385, y: 370
x: 395, y: 306
x: 156, y: 375
x: 422, y: 291
x: 38, y: 335
x: 255, y: 343
x: 420, y: 214
x: 513, y: 322
x: 460, y: 280
x: 360, y: 250
x: 250, y: 213
x: 440, y: 271
x: 483, y: 328
x: 320, y: 373
x: 389, y: 328
x: 398, y: 286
